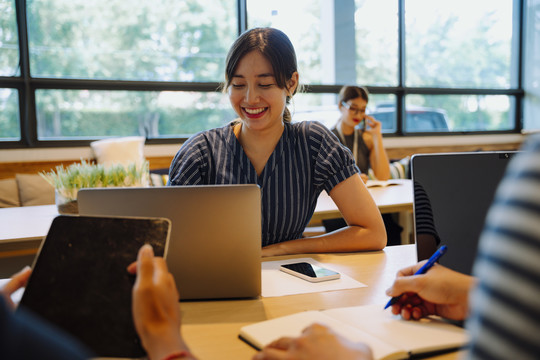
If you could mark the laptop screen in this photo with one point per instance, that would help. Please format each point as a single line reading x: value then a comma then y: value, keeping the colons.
x: 452, y: 194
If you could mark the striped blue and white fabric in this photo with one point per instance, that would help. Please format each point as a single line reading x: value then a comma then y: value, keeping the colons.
x: 505, y: 308
x: 424, y: 222
x: 307, y: 159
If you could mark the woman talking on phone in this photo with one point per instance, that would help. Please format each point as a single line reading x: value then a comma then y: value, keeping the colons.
x: 361, y: 133
x: 291, y: 162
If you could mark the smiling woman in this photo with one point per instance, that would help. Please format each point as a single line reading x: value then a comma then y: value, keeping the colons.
x: 255, y: 94
x: 291, y: 162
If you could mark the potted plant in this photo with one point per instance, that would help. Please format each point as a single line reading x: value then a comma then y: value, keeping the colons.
x: 67, y: 181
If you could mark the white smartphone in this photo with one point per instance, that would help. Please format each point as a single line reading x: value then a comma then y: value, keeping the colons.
x: 309, y: 272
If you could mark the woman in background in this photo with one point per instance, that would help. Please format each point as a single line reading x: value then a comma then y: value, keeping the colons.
x: 292, y: 163
x: 361, y: 133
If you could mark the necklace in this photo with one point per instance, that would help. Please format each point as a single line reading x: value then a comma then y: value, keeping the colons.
x: 355, y: 141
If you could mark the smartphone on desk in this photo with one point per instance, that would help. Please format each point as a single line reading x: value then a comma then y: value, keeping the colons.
x: 309, y: 272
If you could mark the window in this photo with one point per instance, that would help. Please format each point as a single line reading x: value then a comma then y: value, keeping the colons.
x: 167, y: 40
x: 9, y: 66
x: 9, y: 40
x: 336, y: 41
x: 9, y: 115
x: 83, y: 70
x: 460, y: 113
x: 323, y: 108
x: 460, y: 51
x: 459, y: 44
x: 532, y: 69
x: 86, y: 114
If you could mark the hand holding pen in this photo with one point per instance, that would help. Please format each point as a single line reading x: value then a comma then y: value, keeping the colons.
x: 432, y: 260
x: 439, y: 291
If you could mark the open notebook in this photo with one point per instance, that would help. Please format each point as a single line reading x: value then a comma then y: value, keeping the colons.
x: 381, y: 183
x: 388, y: 336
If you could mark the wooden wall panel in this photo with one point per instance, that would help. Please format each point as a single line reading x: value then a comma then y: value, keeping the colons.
x: 9, y: 169
x: 398, y: 153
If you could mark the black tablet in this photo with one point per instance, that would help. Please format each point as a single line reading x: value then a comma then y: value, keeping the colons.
x: 452, y: 195
x: 80, y: 283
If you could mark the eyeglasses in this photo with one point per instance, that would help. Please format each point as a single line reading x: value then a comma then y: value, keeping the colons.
x: 353, y: 110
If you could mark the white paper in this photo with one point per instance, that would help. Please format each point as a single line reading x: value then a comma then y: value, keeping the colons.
x: 277, y: 283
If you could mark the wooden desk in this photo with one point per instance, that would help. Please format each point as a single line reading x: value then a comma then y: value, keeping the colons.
x: 211, y: 327
x: 389, y: 199
x: 21, y: 231
x: 23, y: 228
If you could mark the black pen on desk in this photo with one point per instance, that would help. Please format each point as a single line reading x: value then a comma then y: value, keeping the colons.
x: 432, y: 260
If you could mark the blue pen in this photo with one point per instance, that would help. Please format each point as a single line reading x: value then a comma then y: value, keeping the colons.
x: 432, y: 260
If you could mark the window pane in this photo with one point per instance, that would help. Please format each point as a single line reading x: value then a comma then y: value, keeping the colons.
x: 305, y: 32
x: 9, y: 40
x: 9, y: 115
x: 336, y: 42
x: 376, y: 28
x: 323, y: 108
x: 315, y: 107
x: 90, y: 114
x: 459, y: 43
x: 531, y: 79
x: 441, y: 113
x: 167, y: 40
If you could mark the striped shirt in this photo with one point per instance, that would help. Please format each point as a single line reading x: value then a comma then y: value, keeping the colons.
x: 307, y: 159
x: 505, y: 315
x: 423, y: 214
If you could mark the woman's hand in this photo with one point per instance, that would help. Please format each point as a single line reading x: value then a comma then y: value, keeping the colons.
x: 373, y: 126
x: 378, y: 157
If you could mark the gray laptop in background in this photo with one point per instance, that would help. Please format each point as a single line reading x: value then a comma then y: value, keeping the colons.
x: 215, y: 245
x: 452, y: 194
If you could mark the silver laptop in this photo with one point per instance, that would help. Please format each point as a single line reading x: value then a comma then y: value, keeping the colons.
x: 452, y: 194
x: 215, y: 246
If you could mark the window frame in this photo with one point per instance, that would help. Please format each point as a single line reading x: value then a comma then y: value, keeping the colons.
x: 27, y: 86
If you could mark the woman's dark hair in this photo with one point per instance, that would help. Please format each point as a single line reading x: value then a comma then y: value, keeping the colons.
x: 275, y: 46
x: 352, y: 92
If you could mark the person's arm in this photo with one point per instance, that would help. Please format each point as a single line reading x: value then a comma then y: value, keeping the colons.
x: 317, y: 342
x: 26, y: 335
x: 365, y: 230
x: 378, y: 158
x: 440, y: 291
x: 156, y: 312
x: 16, y: 282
